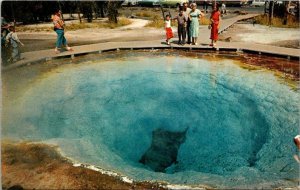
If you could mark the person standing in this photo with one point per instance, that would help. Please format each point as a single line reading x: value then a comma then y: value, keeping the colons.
x: 59, y: 29
x: 168, y: 28
x: 186, y: 12
x: 215, y: 24
x: 13, y: 40
x: 223, y: 9
x: 182, y: 23
x: 194, y: 16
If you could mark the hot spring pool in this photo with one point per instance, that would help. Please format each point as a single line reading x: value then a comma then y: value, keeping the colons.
x: 184, y: 120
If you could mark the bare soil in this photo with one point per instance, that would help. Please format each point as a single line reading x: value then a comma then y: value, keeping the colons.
x: 246, y: 32
x: 40, y: 166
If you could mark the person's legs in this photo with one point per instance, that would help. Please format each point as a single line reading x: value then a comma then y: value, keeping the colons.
x: 15, y: 54
x: 168, y: 41
x: 188, y: 32
x: 18, y: 53
x: 183, y: 35
x: 179, y: 33
x: 215, y: 43
x: 64, y: 40
x: 65, y: 43
x: 59, y: 40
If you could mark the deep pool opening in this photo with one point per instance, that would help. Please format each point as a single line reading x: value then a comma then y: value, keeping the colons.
x: 162, y: 156
x: 180, y: 117
x: 163, y: 151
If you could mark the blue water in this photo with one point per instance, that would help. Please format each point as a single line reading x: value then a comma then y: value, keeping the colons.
x: 240, y: 123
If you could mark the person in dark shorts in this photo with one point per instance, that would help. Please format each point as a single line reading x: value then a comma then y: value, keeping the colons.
x: 182, y: 23
x: 186, y: 12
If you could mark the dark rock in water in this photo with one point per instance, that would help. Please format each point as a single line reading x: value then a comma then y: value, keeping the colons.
x: 164, y: 149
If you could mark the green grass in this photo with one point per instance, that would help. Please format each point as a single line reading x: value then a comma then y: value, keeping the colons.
x: 277, y: 22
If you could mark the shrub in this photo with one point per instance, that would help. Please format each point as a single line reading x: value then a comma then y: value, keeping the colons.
x: 204, y: 21
x: 144, y: 14
x: 277, y: 22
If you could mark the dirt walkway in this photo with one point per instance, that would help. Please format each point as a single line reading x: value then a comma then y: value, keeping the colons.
x: 249, y: 33
x: 136, y: 31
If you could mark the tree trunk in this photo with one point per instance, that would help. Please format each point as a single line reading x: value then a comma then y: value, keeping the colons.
x: 59, y: 5
x: 79, y: 17
x: 271, y: 12
x: 266, y: 3
x: 286, y: 12
x: 101, y: 6
x: 113, y: 7
x: 78, y: 11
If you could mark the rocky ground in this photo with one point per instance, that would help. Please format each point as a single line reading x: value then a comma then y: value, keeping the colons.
x: 39, y: 166
x: 247, y: 32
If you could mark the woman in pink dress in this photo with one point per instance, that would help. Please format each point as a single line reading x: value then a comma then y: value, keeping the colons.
x: 215, y: 24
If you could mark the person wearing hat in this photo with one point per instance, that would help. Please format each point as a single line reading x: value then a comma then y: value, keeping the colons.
x: 13, y: 40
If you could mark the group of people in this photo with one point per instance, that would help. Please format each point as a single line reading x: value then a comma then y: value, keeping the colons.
x: 188, y: 24
x: 10, y: 43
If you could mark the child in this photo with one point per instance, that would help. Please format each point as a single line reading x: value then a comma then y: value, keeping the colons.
x: 13, y: 40
x: 182, y: 23
x: 169, y: 32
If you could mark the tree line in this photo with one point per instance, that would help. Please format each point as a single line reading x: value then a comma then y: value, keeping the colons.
x: 281, y: 10
x: 29, y: 12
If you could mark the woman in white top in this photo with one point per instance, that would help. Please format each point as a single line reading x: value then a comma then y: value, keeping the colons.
x: 194, y: 28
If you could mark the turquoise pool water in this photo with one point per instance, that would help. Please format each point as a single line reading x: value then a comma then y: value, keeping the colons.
x: 235, y: 125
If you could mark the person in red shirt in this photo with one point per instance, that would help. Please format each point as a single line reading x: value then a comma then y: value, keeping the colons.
x: 59, y: 29
x: 215, y: 24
